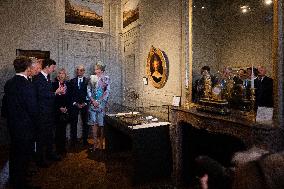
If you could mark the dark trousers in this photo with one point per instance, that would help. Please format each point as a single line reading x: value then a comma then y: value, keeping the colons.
x: 60, y: 136
x: 45, y: 137
x: 74, y: 120
x: 20, y: 157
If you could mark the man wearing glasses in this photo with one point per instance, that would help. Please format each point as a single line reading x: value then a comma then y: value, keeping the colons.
x: 78, y: 94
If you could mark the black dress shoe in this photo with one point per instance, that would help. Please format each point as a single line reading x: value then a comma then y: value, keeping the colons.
x: 86, y: 143
x: 73, y: 143
x: 54, y: 157
x: 62, y: 153
x: 43, y: 164
x: 34, y: 187
x: 22, y: 186
x: 31, y: 173
x: 31, y: 187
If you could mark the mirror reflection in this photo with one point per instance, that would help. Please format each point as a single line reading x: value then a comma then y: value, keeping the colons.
x: 229, y: 40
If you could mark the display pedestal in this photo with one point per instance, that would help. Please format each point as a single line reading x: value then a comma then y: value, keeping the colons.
x: 149, y: 146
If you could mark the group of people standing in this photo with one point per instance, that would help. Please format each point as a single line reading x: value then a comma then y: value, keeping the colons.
x: 262, y: 84
x: 244, y: 78
x: 38, y: 111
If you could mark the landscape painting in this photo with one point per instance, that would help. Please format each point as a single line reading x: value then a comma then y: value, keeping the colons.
x: 130, y: 12
x: 84, y: 12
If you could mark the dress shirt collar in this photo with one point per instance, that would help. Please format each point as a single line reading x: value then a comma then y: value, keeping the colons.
x: 80, y: 80
x: 23, y: 75
x: 44, y: 74
x: 261, y: 78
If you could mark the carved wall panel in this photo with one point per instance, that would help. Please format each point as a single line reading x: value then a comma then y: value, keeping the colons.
x: 77, y: 48
x: 130, y: 71
x: 131, y: 68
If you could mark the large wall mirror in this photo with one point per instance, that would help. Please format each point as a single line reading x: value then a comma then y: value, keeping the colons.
x: 236, y: 34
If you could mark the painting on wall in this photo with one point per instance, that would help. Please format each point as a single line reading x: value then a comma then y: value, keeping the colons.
x: 33, y: 53
x: 130, y: 12
x: 156, y: 68
x: 84, y: 12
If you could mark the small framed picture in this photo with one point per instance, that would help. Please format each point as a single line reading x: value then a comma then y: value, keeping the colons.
x: 145, y: 80
x: 264, y: 115
x: 176, y: 101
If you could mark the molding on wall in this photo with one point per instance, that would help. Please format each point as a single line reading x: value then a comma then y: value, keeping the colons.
x: 130, y: 64
x: 130, y: 38
x: 76, y: 47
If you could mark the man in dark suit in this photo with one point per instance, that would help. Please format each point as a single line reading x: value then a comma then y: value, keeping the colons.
x: 21, y: 115
x: 198, y: 88
x: 264, y: 89
x: 46, y: 122
x: 36, y: 68
x: 78, y: 95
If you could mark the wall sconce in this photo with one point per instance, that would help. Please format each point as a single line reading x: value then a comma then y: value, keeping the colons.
x: 268, y: 2
x: 245, y: 9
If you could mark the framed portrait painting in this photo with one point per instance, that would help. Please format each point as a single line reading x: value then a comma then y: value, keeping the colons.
x: 84, y: 12
x: 130, y: 12
x: 156, y: 68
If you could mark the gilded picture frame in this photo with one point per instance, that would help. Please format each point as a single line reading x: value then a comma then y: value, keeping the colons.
x: 156, y: 68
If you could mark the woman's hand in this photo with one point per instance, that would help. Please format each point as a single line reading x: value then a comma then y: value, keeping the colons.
x: 60, y: 91
x: 95, y: 103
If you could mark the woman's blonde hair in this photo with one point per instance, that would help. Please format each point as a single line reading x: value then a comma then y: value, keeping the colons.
x: 100, y: 66
x: 62, y: 70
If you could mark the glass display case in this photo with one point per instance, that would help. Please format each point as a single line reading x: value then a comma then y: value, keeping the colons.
x: 144, y: 132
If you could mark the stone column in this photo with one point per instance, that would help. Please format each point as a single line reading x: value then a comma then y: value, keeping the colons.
x: 186, y: 77
x: 278, y: 67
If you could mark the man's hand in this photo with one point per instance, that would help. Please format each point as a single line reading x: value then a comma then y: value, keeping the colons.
x: 78, y: 105
x: 63, y: 109
x: 83, y: 105
x: 204, y: 182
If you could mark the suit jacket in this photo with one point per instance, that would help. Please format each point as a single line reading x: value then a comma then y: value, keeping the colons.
x: 45, y: 94
x: 264, y: 92
x: 4, y: 107
x: 77, y: 94
x: 21, y: 107
x: 61, y: 100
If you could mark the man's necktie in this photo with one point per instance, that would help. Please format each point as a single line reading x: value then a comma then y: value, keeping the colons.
x: 80, y: 82
x: 48, y: 78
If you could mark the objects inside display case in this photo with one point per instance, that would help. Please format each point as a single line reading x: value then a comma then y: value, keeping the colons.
x: 144, y: 117
x: 220, y: 94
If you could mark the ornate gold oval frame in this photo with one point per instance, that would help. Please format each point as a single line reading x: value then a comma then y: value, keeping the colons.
x: 157, y: 55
